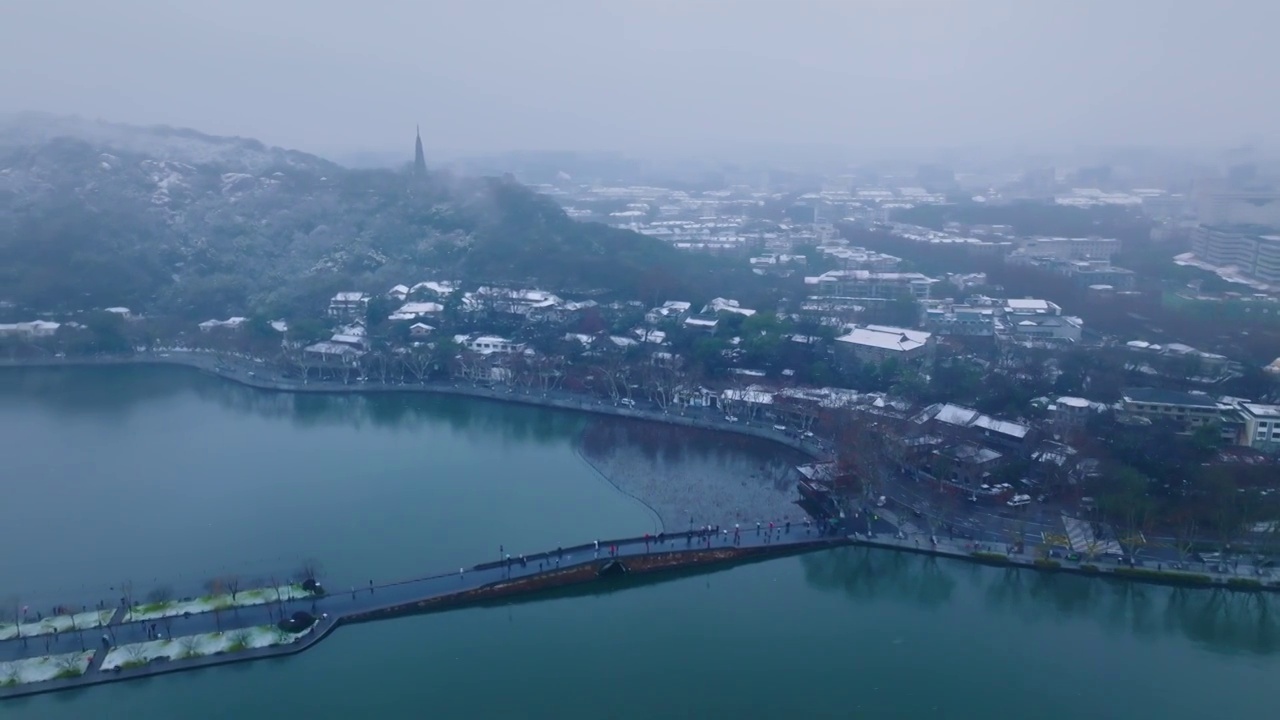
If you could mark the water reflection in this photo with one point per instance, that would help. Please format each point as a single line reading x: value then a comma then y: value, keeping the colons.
x: 117, y: 391
x: 672, y: 445
x: 1220, y: 620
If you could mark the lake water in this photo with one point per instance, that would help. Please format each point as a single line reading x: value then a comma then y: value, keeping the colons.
x: 164, y: 476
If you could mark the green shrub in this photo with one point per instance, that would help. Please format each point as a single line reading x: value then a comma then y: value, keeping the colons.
x: 1085, y: 567
x: 1244, y: 583
x: 1047, y: 563
x: 990, y: 557
x: 68, y: 673
x: 1179, y: 578
x: 239, y: 642
x: 131, y: 664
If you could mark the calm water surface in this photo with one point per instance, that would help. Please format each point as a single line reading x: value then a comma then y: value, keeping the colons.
x: 169, y: 477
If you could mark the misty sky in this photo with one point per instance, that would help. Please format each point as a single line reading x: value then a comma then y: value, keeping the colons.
x: 651, y: 75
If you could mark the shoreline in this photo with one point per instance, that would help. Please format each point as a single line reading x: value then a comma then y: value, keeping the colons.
x: 240, y: 374
x: 912, y: 539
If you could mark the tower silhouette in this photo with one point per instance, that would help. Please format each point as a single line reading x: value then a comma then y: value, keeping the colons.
x: 419, y: 160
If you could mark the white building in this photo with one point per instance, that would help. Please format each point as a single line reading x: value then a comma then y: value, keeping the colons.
x: 29, y: 329
x: 348, y: 305
x: 415, y: 310
x: 865, y: 284
x: 489, y: 344
x: 720, y: 305
x: 671, y: 309
x: 967, y: 320
x: 1063, y: 248
x: 1261, y: 426
x: 877, y: 343
x: 1252, y: 252
x: 437, y: 289
x: 231, y: 323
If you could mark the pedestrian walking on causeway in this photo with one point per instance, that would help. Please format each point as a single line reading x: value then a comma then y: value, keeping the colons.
x: 370, y: 587
x: 788, y: 527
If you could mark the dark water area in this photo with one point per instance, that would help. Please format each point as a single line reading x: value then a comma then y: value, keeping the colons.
x: 696, y: 477
x: 169, y: 476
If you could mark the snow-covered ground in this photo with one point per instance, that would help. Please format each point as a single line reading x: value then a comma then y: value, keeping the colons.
x: 58, y: 623
x: 46, y: 667
x: 187, y: 646
x: 246, y: 598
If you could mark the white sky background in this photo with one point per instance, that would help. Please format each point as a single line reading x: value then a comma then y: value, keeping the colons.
x: 655, y: 75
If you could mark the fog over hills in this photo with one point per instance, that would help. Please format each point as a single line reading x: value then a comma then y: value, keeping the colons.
x: 95, y: 213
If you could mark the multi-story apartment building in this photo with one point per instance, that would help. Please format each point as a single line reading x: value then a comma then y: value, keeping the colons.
x: 871, y: 285
x: 1254, y: 251
x: 1188, y: 410
x: 1063, y: 248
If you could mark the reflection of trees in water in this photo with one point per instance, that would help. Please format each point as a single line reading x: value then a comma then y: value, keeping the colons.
x: 112, y: 390
x: 402, y: 411
x: 1218, y: 619
x: 672, y: 445
x: 87, y: 391
x: 866, y: 574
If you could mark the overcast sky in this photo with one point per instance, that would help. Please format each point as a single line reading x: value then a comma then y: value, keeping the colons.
x: 649, y: 75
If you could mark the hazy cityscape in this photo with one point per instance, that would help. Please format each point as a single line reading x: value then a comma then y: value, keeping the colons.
x: 627, y: 339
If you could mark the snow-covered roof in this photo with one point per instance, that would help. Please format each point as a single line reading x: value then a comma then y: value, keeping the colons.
x: 752, y: 396
x: 332, y: 348
x: 886, y: 338
x: 960, y: 416
x: 1027, y: 305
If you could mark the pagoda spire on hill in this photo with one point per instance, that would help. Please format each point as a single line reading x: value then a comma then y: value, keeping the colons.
x: 419, y: 160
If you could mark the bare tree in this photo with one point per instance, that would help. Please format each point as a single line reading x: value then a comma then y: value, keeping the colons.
x: 136, y: 654
x: 160, y: 596
x: 12, y: 610
x: 190, y: 645
x: 664, y: 382
x: 232, y: 583
x: 216, y: 589
x: 309, y: 570
x: 550, y: 372
x: 69, y: 665
x: 126, y: 593
x: 1186, y: 529
x: 616, y: 376
x: 418, y: 361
